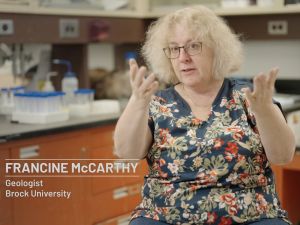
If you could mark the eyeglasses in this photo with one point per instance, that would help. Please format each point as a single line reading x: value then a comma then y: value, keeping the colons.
x: 191, y: 49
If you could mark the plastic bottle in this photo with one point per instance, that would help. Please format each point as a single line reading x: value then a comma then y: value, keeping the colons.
x: 69, y: 82
x: 48, y: 86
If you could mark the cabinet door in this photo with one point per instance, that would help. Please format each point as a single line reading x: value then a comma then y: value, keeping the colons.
x: 51, y: 210
x: 5, y: 203
x: 287, y: 185
x: 120, y: 220
x: 113, y: 203
x: 291, y: 186
x: 110, y: 182
x: 101, y: 147
x: 110, y: 197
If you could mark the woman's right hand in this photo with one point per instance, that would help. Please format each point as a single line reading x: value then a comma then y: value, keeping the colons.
x: 142, y: 88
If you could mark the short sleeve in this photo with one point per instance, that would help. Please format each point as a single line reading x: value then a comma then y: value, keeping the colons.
x: 152, y: 109
x: 154, y: 106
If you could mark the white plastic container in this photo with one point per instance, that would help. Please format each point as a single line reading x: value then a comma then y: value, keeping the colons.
x: 39, y: 107
x: 84, y: 96
x: 107, y: 106
x: 82, y: 104
x: 69, y: 85
x: 69, y: 82
x: 7, y: 101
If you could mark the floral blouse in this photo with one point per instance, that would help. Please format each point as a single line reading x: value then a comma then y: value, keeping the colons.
x: 212, y: 171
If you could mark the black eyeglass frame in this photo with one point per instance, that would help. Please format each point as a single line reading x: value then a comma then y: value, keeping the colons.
x: 184, y: 47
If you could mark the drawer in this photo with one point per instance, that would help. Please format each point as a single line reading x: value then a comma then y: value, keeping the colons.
x: 66, y: 148
x: 120, y: 220
x: 57, y: 210
x: 6, y: 204
x: 102, y: 184
x: 114, y: 203
x: 141, y: 171
x: 101, y: 137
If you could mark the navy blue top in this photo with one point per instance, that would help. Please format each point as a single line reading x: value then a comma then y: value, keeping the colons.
x: 212, y: 171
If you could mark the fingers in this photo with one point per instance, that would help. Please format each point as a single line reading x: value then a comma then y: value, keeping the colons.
x: 258, y: 84
x: 250, y: 97
x: 272, y: 77
x: 263, y: 86
x: 264, y: 83
x: 139, y: 77
x: 153, y: 88
x: 142, y: 86
x: 147, y: 82
x: 136, y: 74
x: 149, y: 86
x: 133, y: 68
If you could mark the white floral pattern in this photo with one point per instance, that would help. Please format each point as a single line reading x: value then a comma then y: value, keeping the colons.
x: 207, y: 172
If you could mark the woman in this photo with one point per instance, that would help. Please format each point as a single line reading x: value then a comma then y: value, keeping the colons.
x: 208, y: 140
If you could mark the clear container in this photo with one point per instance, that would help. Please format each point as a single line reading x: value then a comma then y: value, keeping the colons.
x: 43, y: 102
x: 36, y: 101
x: 39, y: 108
x: 84, y: 96
x: 39, y: 102
x: 82, y: 105
x: 69, y: 85
x: 18, y: 89
x: 55, y: 101
x: 23, y: 103
x: 61, y: 103
x: 19, y: 102
x: 5, y: 96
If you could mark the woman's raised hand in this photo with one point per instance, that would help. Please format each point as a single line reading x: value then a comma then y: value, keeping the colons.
x: 260, y: 99
x: 142, y: 88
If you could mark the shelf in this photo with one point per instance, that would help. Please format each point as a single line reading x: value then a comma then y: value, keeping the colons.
x: 69, y: 12
x: 251, y: 10
x: 143, y: 11
x: 255, y: 10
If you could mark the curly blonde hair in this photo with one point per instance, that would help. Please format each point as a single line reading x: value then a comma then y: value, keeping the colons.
x: 206, y: 27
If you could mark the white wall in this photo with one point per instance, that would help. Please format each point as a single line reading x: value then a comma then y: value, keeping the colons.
x: 260, y: 56
x: 101, y: 56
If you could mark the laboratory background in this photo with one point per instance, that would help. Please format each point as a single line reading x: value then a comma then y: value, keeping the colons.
x: 64, y: 82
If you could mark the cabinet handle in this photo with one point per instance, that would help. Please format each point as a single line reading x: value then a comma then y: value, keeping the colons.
x: 135, y: 189
x: 123, y: 221
x: 83, y: 149
x: 120, y: 220
x: 126, y: 191
x: 120, y: 193
x: 29, y: 151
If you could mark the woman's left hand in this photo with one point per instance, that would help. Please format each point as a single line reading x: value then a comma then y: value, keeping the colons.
x: 260, y: 99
